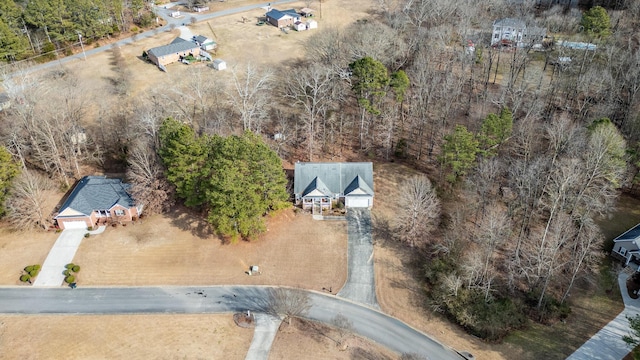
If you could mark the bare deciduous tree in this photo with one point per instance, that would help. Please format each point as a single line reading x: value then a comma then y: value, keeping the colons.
x: 250, y: 96
x: 149, y: 185
x: 420, y: 209
x: 26, y: 202
x: 288, y: 302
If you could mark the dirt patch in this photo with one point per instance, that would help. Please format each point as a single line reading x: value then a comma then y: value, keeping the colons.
x: 123, y: 337
x: 244, y: 320
x: 175, y: 249
x: 305, y: 339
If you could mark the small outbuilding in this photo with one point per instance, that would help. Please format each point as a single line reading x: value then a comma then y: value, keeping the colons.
x: 299, y: 26
x: 219, y: 64
x: 312, y: 24
x: 204, y: 42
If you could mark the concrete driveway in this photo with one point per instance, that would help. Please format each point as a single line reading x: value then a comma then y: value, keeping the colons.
x: 60, y: 254
x: 360, y: 286
x: 607, y: 343
x: 263, y: 336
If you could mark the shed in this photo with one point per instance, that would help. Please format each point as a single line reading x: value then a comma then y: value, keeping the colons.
x: 300, y: 26
x: 219, y: 64
x: 306, y: 12
x: 312, y: 24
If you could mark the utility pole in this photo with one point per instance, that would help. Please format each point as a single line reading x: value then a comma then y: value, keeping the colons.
x: 82, y: 46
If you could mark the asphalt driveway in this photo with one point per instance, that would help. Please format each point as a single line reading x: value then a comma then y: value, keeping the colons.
x: 360, y: 285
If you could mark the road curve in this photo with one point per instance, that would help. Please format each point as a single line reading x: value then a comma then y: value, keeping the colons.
x: 383, y: 329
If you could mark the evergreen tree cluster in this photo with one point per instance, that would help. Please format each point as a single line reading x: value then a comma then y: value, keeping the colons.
x: 236, y: 180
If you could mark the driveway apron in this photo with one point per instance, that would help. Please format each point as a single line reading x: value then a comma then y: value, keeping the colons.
x: 60, y: 254
x: 263, y: 336
x: 360, y: 284
x: 607, y: 343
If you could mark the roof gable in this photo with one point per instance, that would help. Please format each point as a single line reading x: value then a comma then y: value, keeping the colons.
x: 358, y: 187
x: 96, y: 193
x: 337, y: 176
x: 316, y: 188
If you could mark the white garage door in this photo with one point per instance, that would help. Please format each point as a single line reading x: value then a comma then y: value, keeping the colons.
x: 74, y: 224
x: 355, y: 202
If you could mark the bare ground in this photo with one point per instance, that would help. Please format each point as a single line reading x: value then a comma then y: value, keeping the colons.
x: 312, y: 339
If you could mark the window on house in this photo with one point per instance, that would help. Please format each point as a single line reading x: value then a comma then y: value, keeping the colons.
x: 496, y: 36
x: 119, y: 212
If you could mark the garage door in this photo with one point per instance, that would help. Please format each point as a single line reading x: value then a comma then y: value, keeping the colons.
x: 74, y: 224
x: 354, y: 202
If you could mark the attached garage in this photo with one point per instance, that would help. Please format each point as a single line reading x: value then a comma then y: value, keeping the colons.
x: 358, y: 201
x: 72, y: 224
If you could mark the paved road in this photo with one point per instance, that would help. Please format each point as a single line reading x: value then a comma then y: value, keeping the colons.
x: 607, y: 343
x: 367, y: 322
x: 171, y: 23
x: 360, y: 285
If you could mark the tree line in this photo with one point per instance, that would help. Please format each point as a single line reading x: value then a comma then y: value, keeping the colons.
x: 518, y: 155
x: 34, y: 27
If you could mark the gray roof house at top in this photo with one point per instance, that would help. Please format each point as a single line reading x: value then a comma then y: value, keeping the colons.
x: 337, y: 178
x: 98, y: 193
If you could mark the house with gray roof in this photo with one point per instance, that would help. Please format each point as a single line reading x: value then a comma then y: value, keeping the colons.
x: 282, y: 18
x: 626, y: 247
x: 96, y: 200
x: 515, y: 32
x: 318, y: 186
x: 173, y: 52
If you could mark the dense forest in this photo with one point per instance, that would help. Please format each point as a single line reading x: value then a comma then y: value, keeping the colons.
x: 40, y: 27
x: 520, y: 151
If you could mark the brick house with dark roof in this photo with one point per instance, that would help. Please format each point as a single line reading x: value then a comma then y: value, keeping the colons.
x: 96, y: 200
x: 282, y: 18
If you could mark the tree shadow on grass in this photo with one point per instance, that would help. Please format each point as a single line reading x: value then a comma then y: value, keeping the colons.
x: 190, y: 220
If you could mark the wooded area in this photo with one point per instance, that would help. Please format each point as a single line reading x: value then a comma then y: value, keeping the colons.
x: 520, y: 152
x: 39, y: 27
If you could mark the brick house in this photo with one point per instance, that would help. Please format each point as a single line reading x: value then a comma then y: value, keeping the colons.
x: 96, y: 200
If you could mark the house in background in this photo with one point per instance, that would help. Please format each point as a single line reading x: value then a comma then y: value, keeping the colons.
x: 282, y: 18
x: 204, y: 42
x: 178, y: 49
x: 318, y: 186
x: 96, y: 200
x: 515, y: 32
x: 626, y: 247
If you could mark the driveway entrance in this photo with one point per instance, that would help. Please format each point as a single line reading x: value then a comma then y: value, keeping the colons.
x: 60, y: 255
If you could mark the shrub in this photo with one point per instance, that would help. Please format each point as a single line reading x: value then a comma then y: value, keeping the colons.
x: 33, y: 273
x: 69, y: 279
x: 69, y: 266
x: 89, y: 228
x: 25, y: 278
x: 28, y: 268
x: 66, y: 273
x: 87, y: 235
x: 36, y: 267
x: 76, y: 268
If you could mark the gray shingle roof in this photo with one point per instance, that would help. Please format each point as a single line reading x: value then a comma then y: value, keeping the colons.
x: 630, y: 237
x: 317, y: 184
x: 174, y: 47
x: 510, y: 22
x: 358, y: 183
x: 279, y: 14
x: 337, y: 177
x: 98, y: 193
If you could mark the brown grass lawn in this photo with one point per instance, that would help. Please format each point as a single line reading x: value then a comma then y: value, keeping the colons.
x: 171, y: 250
x: 90, y: 337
